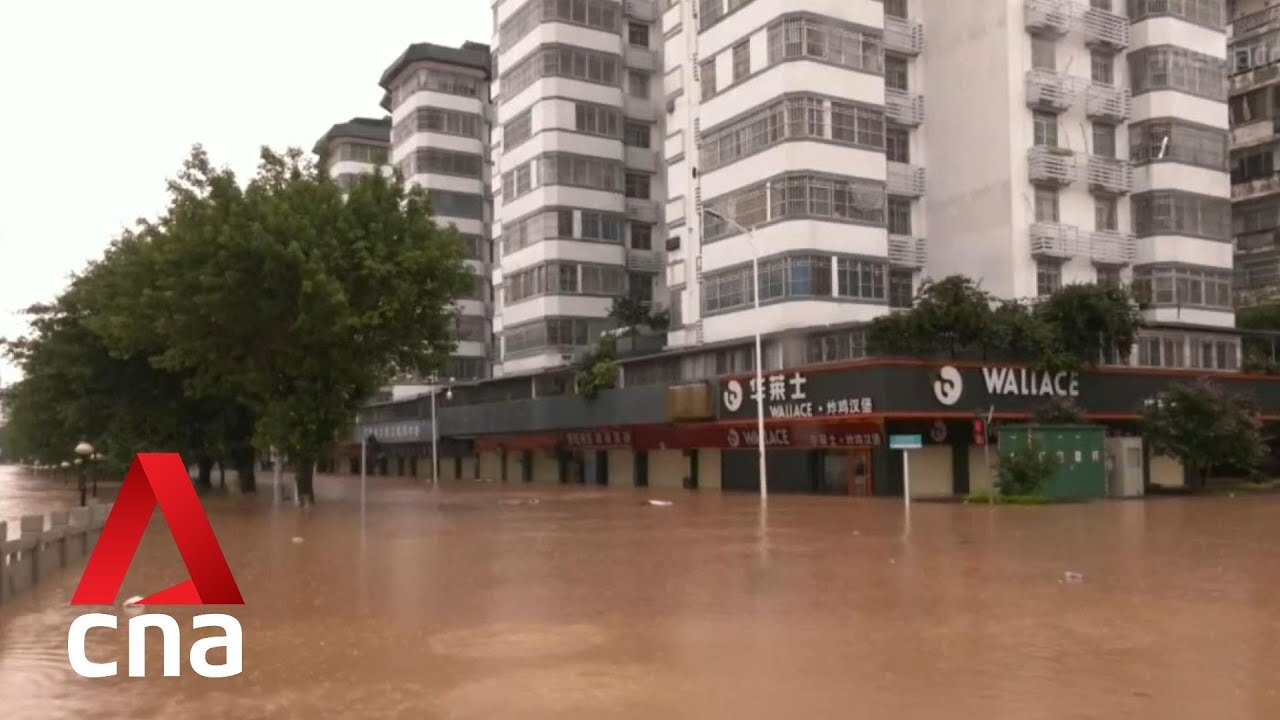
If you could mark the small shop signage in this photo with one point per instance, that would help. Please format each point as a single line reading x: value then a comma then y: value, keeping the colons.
x: 598, y: 439
x: 786, y: 397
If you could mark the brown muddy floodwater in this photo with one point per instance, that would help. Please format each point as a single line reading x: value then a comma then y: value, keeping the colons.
x: 592, y: 604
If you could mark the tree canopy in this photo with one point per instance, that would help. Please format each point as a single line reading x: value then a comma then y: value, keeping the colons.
x: 242, y: 317
x: 1205, y: 427
x: 955, y: 318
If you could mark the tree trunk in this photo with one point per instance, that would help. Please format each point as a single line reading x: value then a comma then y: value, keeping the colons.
x: 222, y: 475
x: 204, y: 476
x: 304, y: 473
x: 245, y: 468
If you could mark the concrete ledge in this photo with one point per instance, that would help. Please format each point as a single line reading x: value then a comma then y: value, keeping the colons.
x: 46, y: 546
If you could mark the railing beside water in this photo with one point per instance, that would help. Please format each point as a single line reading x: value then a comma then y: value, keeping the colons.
x: 41, y: 551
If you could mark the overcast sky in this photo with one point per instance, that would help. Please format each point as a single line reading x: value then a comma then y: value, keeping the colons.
x: 101, y: 101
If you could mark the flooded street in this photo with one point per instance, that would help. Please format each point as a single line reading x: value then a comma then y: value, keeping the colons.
x: 472, y: 602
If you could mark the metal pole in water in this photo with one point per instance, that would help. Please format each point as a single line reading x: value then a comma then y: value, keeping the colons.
x: 364, y: 443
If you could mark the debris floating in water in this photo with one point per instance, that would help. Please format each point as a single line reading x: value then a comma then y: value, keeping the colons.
x: 131, y: 604
x: 519, y: 501
x: 297, y: 540
x: 661, y: 503
x: 1072, y: 578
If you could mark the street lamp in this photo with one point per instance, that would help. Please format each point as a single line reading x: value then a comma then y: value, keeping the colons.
x: 94, y: 475
x: 755, y: 295
x: 435, y: 433
x: 85, y: 451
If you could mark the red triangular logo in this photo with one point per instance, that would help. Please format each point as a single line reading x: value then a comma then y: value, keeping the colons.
x: 158, y: 479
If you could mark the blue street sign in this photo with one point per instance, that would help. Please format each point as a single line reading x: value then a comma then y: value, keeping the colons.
x: 906, y: 442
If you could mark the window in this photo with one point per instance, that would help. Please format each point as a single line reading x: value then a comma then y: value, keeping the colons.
x: 596, y: 14
x: 899, y: 210
x: 779, y: 278
x: 741, y: 61
x: 438, y: 81
x: 1048, y: 278
x: 556, y: 332
x: 863, y: 279
x: 641, y: 236
x: 1174, y: 140
x: 1175, y: 212
x: 601, y: 226
x: 1109, y: 276
x: 901, y: 293
x: 1201, y: 12
x: 1046, y: 129
x: 636, y: 134
x: 831, y: 347
x: 445, y: 203
x: 793, y: 118
x: 1102, y: 68
x: 793, y: 38
x: 1046, y: 204
x: 517, y: 182
x: 1168, y: 67
x: 1105, y: 215
x: 518, y: 130
x: 640, y: 287
x: 897, y: 144
x: 895, y: 8
x: 1183, y: 285
x: 584, y: 171
x: 597, y: 119
x: 638, y: 34
x: 637, y: 186
x: 895, y: 73
x: 841, y: 199
x: 1104, y: 140
x: 638, y: 83
x: 707, y: 73
x: 561, y: 61
x: 356, y: 152
x: 564, y: 223
x: 447, y: 122
x: 1043, y: 54
x: 1253, y: 166
x: 447, y: 162
x: 1100, y: 5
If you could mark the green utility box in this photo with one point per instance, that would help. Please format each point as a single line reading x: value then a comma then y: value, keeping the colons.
x: 1081, y: 453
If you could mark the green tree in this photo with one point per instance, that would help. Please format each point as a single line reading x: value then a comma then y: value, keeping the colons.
x: 951, y: 317
x: 1260, y: 352
x: 1024, y: 470
x: 1205, y: 427
x: 1091, y: 322
x: 1059, y: 411
x: 598, y: 369
x: 291, y: 299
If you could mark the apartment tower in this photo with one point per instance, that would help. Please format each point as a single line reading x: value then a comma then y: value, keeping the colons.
x: 354, y: 148
x: 438, y: 98
x: 577, y: 178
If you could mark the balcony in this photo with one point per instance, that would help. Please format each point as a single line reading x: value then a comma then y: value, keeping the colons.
x: 1253, y: 189
x: 1255, y: 78
x: 1048, y: 17
x: 1110, y: 176
x: 903, y: 36
x: 1050, y: 90
x: 647, y: 261
x: 1111, y: 247
x: 1107, y: 102
x: 904, y: 179
x: 1051, y: 165
x: 1054, y: 241
x: 641, y: 210
x: 1105, y: 30
x: 904, y: 108
x: 907, y: 252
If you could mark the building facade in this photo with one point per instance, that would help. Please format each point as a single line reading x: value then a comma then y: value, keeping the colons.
x: 354, y: 148
x: 441, y: 117
x: 578, y: 181
x: 1254, y: 79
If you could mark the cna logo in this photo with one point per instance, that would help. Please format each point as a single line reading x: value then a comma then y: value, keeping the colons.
x: 948, y: 387
x: 158, y: 479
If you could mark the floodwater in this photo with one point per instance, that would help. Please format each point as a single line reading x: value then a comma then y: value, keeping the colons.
x: 473, y: 602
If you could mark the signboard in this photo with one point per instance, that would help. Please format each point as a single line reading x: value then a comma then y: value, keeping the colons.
x: 597, y: 439
x: 998, y: 381
x: 905, y: 442
x: 395, y: 432
x: 790, y: 395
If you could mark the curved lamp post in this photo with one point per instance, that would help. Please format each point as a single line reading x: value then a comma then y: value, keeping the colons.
x: 435, y: 433
x: 85, y: 451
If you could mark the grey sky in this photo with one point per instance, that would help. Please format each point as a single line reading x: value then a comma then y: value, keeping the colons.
x: 102, y: 101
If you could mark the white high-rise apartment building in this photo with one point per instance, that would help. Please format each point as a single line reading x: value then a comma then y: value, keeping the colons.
x: 577, y: 182
x: 438, y: 98
x: 355, y: 147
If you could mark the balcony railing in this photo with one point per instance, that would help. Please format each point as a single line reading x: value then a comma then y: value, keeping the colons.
x: 1251, y: 189
x: 1048, y: 17
x: 1112, y: 176
x: 907, y: 252
x: 902, y: 35
x: 1051, y: 165
x: 904, y: 108
x: 1111, y: 247
x: 1055, y: 241
x: 644, y: 261
x: 1050, y: 90
x: 904, y: 179
x: 1106, y: 30
x: 1107, y: 102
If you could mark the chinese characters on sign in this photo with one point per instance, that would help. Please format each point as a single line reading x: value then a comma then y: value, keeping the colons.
x: 598, y: 439
x: 787, y: 396
x: 845, y: 439
x: 396, y: 432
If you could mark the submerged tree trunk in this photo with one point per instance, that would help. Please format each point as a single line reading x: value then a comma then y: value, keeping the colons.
x: 204, y: 475
x: 304, y: 472
x: 246, y: 469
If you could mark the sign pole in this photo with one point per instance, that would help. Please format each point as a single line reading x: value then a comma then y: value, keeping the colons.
x: 364, y: 444
x: 986, y: 454
x: 906, y: 478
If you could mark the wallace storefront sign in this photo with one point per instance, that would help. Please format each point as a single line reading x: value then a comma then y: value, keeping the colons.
x: 905, y: 388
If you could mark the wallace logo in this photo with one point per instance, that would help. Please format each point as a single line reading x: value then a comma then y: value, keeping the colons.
x: 158, y: 479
